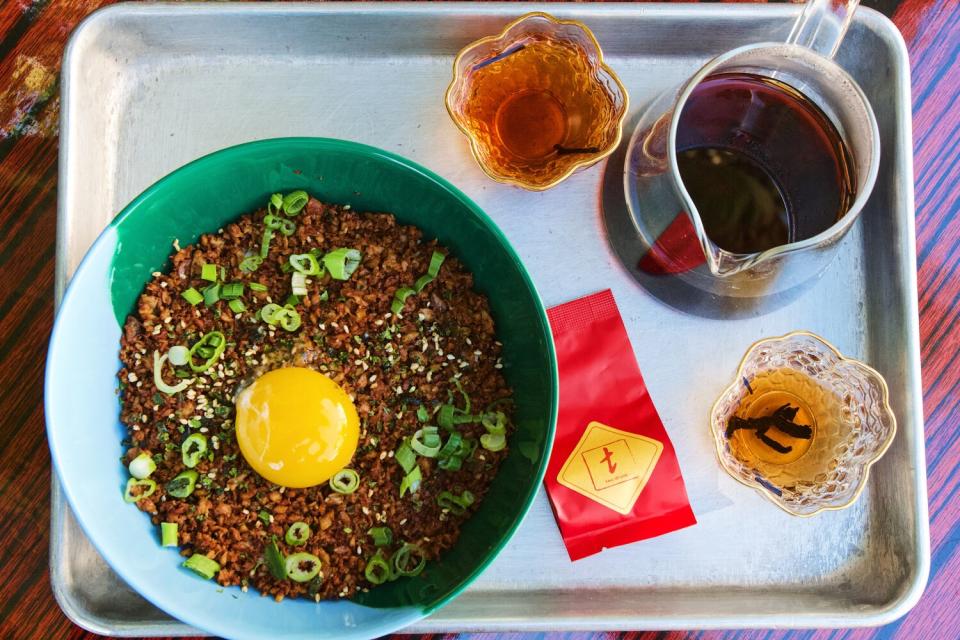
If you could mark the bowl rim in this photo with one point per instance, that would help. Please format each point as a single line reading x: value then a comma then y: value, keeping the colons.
x: 601, y: 66
x: 867, y: 466
x: 84, y: 519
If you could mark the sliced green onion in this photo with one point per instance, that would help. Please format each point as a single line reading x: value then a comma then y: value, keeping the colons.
x: 158, y: 361
x: 305, y: 263
x: 405, y: 457
x: 275, y: 203
x: 341, y: 263
x: 436, y: 260
x: 265, y: 243
x: 452, y: 446
x: 193, y: 447
x: 250, y: 264
x: 399, y: 298
x: 345, y: 481
x: 493, y: 441
x: 457, y: 505
x: 183, y: 484
x: 450, y: 463
x: 422, y: 414
x: 274, y: 560
x: 378, y: 569
x: 272, y: 221
x: 292, y: 300
x: 237, y: 306
x: 298, y: 284
x: 302, y: 567
x: 495, y: 423
x: 411, y: 482
x: 297, y: 534
x: 202, y: 565
x: 147, y: 487
x: 192, y: 296
x: 256, y: 286
x: 409, y: 560
x: 209, y: 272
x: 382, y: 536
x: 231, y: 291
x: 290, y: 320
x: 287, y: 227
x: 426, y: 442
x: 269, y: 313
x: 466, y: 398
x: 179, y: 355
x: 168, y: 534
x: 211, y: 347
x: 422, y: 282
x: 142, y: 466
x: 294, y: 202
x: 324, y: 296
x: 211, y: 295
x: 445, y: 416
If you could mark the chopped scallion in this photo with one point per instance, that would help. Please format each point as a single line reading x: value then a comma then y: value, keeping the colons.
x: 493, y: 441
x: 265, y: 243
x: 411, y: 482
x: 193, y: 447
x: 209, y: 272
x: 137, y: 490
x: 287, y: 227
x: 422, y: 414
x: 305, y: 263
x: 457, y: 505
x: 378, y: 569
x: 409, y: 560
x: 341, y: 263
x: 256, y: 286
x: 210, y: 347
x: 202, y: 565
x: 405, y: 457
x: 298, y: 284
x: 182, y: 484
x: 426, y: 442
x: 297, y: 534
x: 382, y: 536
x: 192, y: 296
x: 250, y: 264
x: 231, y: 291
x: 301, y: 567
x: 158, y: 361
x: 169, y: 536
x: 294, y: 202
x: 179, y: 355
x: 237, y: 306
x: 211, y: 295
x: 399, y: 298
x: 345, y: 481
x: 142, y: 466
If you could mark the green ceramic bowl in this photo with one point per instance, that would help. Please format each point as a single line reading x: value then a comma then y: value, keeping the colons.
x: 82, y: 419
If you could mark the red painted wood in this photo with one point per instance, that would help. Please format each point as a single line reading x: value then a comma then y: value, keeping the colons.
x: 32, y: 34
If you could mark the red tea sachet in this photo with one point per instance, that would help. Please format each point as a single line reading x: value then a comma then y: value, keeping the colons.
x: 613, y: 476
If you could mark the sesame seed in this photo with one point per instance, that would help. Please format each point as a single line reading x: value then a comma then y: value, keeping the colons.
x: 156, y: 330
x: 464, y: 364
x: 450, y: 356
x: 143, y: 418
x: 246, y: 512
x: 478, y: 353
x: 468, y: 341
x: 383, y: 454
x: 365, y: 511
x: 378, y: 323
x: 498, y: 366
x: 403, y: 522
x: 139, y: 384
x: 132, y: 377
x: 373, y: 378
x: 156, y: 274
x: 203, y: 429
x: 429, y: 376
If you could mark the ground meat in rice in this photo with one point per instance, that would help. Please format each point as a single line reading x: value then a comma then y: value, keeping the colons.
x: 390, y: 363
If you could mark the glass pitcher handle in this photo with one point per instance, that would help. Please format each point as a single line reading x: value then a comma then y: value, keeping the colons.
x: 822, y: 25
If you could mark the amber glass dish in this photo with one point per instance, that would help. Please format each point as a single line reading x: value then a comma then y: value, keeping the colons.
x: 843, y: 401
x: 537, y: 101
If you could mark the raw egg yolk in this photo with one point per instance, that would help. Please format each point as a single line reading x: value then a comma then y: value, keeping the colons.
x: 296, y: 427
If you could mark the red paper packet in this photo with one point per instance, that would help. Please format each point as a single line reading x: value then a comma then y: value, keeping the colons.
x: 613, y: 476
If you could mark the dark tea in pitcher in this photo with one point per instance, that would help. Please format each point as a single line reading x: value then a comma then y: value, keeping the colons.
x: 763, y: 164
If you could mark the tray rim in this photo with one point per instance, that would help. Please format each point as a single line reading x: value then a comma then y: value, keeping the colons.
x: 877, y: 22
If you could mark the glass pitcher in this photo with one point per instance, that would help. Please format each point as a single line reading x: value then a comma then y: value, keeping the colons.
x: 663, y: 211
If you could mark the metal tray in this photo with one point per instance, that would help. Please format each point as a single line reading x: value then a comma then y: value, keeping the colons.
x: 149, y: 88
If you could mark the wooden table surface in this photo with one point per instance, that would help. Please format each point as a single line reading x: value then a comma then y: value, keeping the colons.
x: 32, y: 36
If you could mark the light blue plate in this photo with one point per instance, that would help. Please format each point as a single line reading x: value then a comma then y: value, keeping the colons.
x: 82, y: 409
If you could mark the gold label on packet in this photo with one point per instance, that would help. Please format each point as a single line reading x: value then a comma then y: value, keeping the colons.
x: 610, y: 466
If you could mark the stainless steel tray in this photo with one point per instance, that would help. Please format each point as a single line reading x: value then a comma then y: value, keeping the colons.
x: 149, y: 88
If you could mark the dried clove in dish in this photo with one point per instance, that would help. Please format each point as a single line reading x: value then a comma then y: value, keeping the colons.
x: 782, y: 419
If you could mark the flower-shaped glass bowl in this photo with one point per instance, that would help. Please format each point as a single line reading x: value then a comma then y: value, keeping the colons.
x: 846, y: 404
x: 537, y: 101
